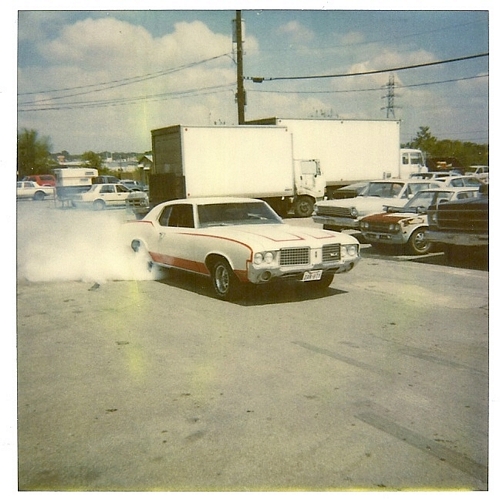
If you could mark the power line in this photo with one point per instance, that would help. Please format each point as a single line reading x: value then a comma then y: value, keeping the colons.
x: 370, y: 89
x: 114, y: 83
x: 132, y: 100
x: 372, y: 72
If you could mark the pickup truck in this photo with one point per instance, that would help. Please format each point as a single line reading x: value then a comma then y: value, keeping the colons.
x: 337, y: 215
x: 462, y: 225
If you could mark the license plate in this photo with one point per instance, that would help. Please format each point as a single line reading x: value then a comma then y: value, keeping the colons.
x: 312, y: 275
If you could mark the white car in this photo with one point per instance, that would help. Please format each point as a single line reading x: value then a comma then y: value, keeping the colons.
x: 345, y: 214
x: 239, y: 241
x: 407, y: 226
x: 100, y: 196
x: 33, y: 191
x: 482, y: 172
x: 462, y: 181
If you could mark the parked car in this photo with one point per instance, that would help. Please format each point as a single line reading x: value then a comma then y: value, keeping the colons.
x: 33, y: 191
x: 480, y: 171
x: 349, y: 191
x: 345, y: 214
x: 105, y: 180
x: 100, y: 196
x: 133, y: 185
x: 239, y: 241
x: 461, y: 226
x: 458, y: 181
x: 406, y: 226
x: 42, y: 179
x: 438, y: 175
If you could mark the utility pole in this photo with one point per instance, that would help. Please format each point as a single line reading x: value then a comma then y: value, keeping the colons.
x: 240, y: 92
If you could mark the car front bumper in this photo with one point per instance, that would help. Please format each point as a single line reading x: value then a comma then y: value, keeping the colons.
x: 337, y: 222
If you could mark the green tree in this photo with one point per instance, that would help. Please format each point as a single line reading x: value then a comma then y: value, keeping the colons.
x: 33, y: 153
x: 466, y: 152
x: 424, y: 141
x: 92, y: 159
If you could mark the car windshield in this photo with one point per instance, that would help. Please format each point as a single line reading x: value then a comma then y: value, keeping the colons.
x: 384, y: 190
x: 426, y: 198
x: 227, y: 214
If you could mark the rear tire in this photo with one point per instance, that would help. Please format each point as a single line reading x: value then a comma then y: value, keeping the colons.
x: 225, y: 282
x: 39, y: 195
x: 99, y: 205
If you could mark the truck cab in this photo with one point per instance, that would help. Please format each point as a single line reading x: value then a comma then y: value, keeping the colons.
x: 412, y: 161
x: 310, y: 186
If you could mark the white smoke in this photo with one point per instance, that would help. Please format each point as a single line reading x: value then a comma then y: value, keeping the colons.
x: 62, y: 244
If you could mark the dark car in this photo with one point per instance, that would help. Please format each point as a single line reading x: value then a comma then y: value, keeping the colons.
x: 349, y: 191
x: 105, y: 180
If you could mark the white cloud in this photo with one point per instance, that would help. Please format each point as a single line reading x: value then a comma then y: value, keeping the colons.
x: 297, y: 32
x: 94, y: 51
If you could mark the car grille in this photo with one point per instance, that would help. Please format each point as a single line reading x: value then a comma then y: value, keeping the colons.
x: 334, y: 211
x: 297, y: 255
x: 331, y: 253
x: 379, y: 227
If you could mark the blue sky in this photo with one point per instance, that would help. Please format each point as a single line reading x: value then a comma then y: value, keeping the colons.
x: 102, y: 79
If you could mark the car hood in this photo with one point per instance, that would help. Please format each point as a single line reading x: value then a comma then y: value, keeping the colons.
x: 269, y: 236
x: 362, y: 204
x: 388, y: 218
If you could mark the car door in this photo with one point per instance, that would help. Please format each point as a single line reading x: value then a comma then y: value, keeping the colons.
x: 177, y: 244
x: 122, y: 194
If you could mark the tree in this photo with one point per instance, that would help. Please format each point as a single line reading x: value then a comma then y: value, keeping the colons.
x: 92, y: 159
x: 466, y: 152
x: 33, y: 153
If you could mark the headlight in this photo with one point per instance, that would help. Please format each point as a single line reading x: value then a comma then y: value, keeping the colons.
x: 350, y: 250
x: 354, y: 212
x: 364, y: 225
x: 263, y: 257
x: 394, y: 227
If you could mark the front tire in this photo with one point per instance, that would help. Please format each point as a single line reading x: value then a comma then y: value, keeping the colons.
x: 418, y: 245
x: 225, y: 282
x: 39, y: 195
x: 303, y: 206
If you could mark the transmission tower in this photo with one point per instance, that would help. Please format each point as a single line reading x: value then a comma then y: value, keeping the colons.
x: 390, y: 98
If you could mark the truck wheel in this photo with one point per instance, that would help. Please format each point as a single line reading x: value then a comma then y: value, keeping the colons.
x: 303, y: 207
x: 99, y: 204
x: 225, y: 282
x: 39, y: 195
x: 418, y: 244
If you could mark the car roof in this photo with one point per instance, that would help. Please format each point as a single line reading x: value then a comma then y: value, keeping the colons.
x: 214, y: 200
x: 448, y: 189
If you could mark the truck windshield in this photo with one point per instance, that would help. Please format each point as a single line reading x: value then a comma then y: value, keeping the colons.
x: 227, y: 214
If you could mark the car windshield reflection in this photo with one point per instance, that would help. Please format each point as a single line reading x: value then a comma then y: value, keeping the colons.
x: 236, y: 213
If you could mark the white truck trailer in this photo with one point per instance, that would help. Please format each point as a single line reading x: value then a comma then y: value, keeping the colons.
x: 248, y: 161
x: 351, y: 151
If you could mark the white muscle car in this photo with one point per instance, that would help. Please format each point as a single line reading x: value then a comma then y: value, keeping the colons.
x: 239, y: 241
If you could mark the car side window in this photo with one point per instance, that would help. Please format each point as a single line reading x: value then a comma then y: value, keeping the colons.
x: 165, y: 215
x: 181, y: 216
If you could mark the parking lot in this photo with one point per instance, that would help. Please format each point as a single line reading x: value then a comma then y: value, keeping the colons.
x: 127, y: 383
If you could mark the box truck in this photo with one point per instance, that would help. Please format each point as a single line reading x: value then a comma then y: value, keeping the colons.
x: 351, y: 151
x: 247, y: 161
